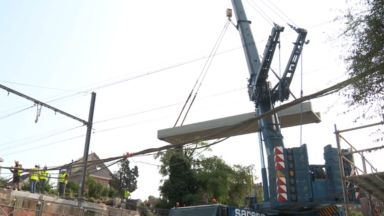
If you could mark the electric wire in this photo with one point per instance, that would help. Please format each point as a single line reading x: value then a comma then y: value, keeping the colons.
x: 261, y: 12
x: 162, y: 69
x: 119, y: 127
x: 14, y: 113
x: 154, y: 110
x: 29, y: 142
x: 239, y: 126
x: 43, y: 145
x: 282, y: 12
x: 274, y: 11
x: 3, y: 81
x: 38, y: 135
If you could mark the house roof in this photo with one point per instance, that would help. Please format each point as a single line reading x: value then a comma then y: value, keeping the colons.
x: 97, y: 170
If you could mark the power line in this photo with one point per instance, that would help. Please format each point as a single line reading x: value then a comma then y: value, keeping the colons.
x: 128, y: 115
x: 156, y: 71
x: 50, y: 133
x: 26, y: 143
x: 14, y: 113
x: 282, y: 12
x: 274, y: 11
x: 270, y: 21
x: 39, y: 86
x: 44, y: 145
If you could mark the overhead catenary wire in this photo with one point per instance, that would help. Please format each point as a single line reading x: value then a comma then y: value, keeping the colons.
x: 239, y: 126
x: 261, y: 12
x: 246, y: 123
x: 119, y: 127
x: 274, y: 11
x: 282, y: 13
x: 14, y: 113
x: 203, y: 72
x: 155, y: 71
x: 29, y: 142
x: 100, y: 131
x: 35, y: 86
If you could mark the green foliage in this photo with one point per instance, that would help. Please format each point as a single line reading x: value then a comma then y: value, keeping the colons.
x: 93, y: 187
x: 194, y: 181
x: 354, y: 213
x: 125, y: 177
x: 104, y: 191
x: 144, y: 210
x: 363, y: 43
x: 111, y: 192
x: 72, y: 188
x: 151, y: 198
x: 3, y: 181
x: 181, y: 186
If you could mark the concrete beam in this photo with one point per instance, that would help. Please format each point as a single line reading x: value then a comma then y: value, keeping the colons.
x: 289, y: 117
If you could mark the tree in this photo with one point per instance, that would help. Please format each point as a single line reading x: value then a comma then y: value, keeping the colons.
x: 151, y: 198
x: 363, y: 42
x: 181, y: 185
x: 192, y: 179
x: 125, y: 177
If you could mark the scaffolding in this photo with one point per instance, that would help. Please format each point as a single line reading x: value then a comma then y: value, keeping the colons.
x: 372, y: 183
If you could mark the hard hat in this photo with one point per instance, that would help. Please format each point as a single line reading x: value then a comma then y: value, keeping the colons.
x: 16, y: 161
x: 63, y: 170
x: 36, y: 165
x: 45, y: 166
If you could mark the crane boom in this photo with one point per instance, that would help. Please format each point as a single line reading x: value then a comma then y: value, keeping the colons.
x: 281, y: 90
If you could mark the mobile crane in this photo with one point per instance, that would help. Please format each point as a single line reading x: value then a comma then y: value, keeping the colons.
x: 292, y: 186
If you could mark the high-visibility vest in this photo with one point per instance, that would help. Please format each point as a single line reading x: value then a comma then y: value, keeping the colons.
x: 19, y: 170
x: 43, y: 175
x: 34, y: 174
x: 62, y: 178
x: 126, y: 194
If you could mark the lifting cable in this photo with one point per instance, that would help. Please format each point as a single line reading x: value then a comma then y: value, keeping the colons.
x: 203, y: 71
x: 301, y: 105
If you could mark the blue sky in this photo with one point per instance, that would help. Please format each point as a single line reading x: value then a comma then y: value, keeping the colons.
x: 75, y: 47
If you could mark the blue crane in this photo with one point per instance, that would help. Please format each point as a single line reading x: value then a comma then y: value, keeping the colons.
x: 290, y: 184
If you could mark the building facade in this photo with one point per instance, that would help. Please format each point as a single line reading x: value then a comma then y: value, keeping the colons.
x: 98, y: 171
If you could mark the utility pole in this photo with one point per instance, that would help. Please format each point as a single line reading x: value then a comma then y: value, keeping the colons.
x: 87, y: 142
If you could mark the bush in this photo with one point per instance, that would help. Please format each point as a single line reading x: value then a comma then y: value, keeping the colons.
x: 72, y: 188
x: 111, y: 192
x: 104, y: 191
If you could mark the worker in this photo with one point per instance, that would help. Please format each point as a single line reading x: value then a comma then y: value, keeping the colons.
x: 126, y: 193
x: 377, y: 213
x: 63, y: 181
x: 16, y: 175
x: 43, y: 179
x: 33, y: 176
